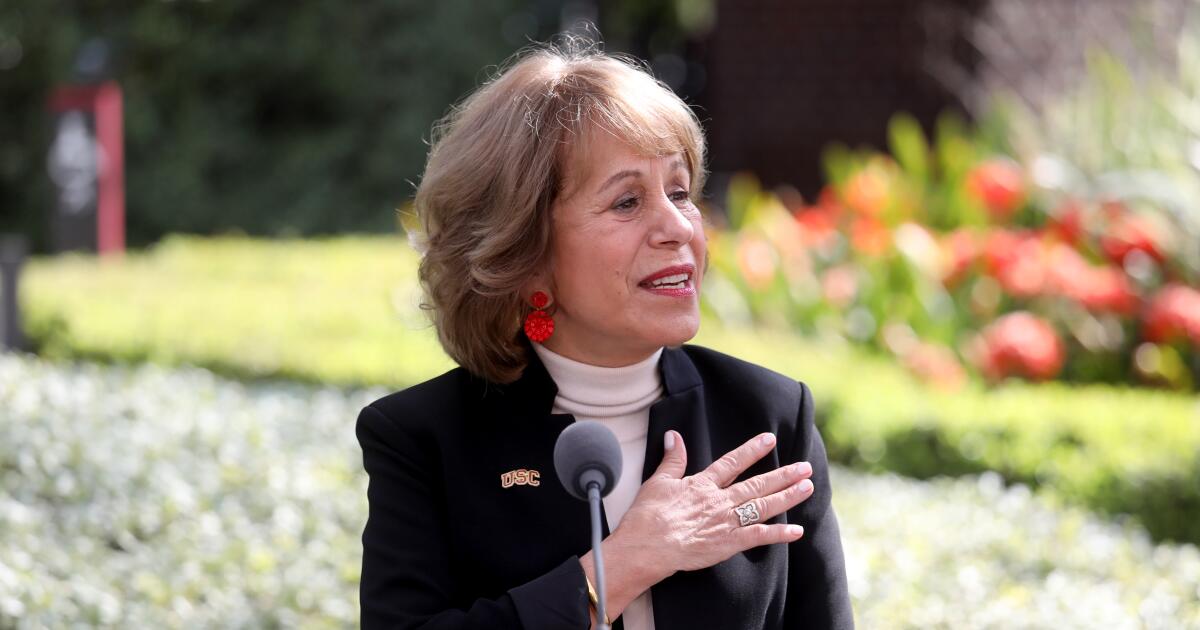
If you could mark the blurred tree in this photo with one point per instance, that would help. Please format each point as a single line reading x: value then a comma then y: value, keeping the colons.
x: 270, y: 117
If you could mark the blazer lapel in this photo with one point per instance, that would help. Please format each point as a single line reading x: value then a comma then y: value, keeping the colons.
x: 687, y: 599
x: 516, y: 431
x: 681, y: 409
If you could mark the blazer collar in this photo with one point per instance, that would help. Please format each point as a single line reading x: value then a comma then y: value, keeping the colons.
x: 678, y: 372
x: 681, y: 408
x: 532, y: 395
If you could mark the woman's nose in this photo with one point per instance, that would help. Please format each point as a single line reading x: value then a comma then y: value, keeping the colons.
x: 672, y: 227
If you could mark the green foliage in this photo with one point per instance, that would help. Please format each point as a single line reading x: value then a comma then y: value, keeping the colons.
x: 262, y: 117
x: 342, y: 310
x: 345, y: 311
x: 908, y: 144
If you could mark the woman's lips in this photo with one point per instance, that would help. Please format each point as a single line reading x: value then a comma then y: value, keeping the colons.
x: 687, y: 290
x: 666, y: 273
x: 673, y: 281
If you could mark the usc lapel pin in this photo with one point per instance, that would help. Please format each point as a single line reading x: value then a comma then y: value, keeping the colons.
x: 520, y: 477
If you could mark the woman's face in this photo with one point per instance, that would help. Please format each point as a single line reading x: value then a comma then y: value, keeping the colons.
x: 627, y: 256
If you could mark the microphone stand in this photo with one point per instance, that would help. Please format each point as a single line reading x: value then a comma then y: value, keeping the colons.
x: 593, y: 488
x: 587, y: 458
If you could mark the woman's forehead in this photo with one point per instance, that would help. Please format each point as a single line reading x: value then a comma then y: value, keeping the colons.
x: 599, y: 155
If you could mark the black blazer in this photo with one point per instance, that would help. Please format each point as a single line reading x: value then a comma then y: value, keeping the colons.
x: 448, y: 545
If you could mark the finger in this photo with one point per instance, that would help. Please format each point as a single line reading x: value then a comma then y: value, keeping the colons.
x: 735, y: 462
x: 777, y: 503
x: 752, y: 536
x: 674, y: 461
x: 769, y: 483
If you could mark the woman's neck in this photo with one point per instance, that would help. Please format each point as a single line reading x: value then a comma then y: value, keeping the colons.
x: 583, y: 385
x: 609, y: 355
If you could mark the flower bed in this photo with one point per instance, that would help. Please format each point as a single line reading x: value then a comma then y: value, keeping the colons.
x: 144, y: 497
x: 955, y: 263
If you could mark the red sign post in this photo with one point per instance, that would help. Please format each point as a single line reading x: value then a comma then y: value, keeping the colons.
x: 87, y: 163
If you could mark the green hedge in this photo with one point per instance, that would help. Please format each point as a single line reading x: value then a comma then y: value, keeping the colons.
x: 344, y: 311
x: 183, y: 500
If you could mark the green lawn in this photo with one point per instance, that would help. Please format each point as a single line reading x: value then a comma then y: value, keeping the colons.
x: 344, y: 311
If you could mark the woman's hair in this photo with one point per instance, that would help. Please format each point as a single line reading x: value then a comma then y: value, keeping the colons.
x: 496, y: 167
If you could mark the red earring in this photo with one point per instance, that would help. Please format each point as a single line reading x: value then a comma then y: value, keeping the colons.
x: 538, y: 323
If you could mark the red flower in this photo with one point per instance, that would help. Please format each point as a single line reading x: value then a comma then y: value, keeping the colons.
x: 828, y: 200
x: 1019, y: 344
x: 1017, y: 261
x: 867, y: 191
x: 1172, y: 314
x: 870, y: 236
x: 960, y: 248
x: 1107, y: 289
x: 1000, y: 249
x: 756, y: 260
x: 1066, y: 270
x: 935, y: 364
x: 1100, y: 289
x: 818, y: 225
x: 839, y: 285
x: 1066, y: 222
x: 1000, y: 185
x: 1131, y: 232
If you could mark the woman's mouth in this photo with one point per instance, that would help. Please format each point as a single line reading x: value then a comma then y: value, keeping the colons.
x: 673, y: 281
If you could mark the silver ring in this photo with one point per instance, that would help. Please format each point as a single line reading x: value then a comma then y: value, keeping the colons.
x: 747, y: 513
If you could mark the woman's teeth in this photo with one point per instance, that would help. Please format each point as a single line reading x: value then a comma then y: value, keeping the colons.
x: 676, y: 281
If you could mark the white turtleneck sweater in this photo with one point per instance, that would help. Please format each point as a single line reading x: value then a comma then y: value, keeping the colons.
x: 620, y: 398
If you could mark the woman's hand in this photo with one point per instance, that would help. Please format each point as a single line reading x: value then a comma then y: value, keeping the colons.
x: 679, y: 523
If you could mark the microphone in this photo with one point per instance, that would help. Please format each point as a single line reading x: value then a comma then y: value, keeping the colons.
x: 587, y: 458
x: 587, y: 452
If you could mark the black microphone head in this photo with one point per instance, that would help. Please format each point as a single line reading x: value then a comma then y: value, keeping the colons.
x: 587, y: 446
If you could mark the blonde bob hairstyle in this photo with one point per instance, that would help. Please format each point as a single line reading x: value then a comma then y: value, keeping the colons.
x: 496, y: 167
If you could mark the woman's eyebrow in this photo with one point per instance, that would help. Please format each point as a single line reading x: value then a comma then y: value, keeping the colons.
x: 618, y: 177
x: 677, y: 164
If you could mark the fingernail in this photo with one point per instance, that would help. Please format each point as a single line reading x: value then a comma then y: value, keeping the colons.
x: 795, y: 530
x: 669, y: 440
x: 804, y: 468
x: 806, y: 486
x: 768, y: 439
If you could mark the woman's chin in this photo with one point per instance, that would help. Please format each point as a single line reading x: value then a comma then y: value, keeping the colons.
x: 678, y: 332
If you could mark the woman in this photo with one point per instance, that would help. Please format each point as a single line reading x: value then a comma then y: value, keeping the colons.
x: 564, y: 255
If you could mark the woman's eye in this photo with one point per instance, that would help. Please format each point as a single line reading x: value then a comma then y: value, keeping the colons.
x: 626, y: 204
x: 679, y: 195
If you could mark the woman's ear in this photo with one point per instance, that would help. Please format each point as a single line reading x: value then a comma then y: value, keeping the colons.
x: 539, y: 281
